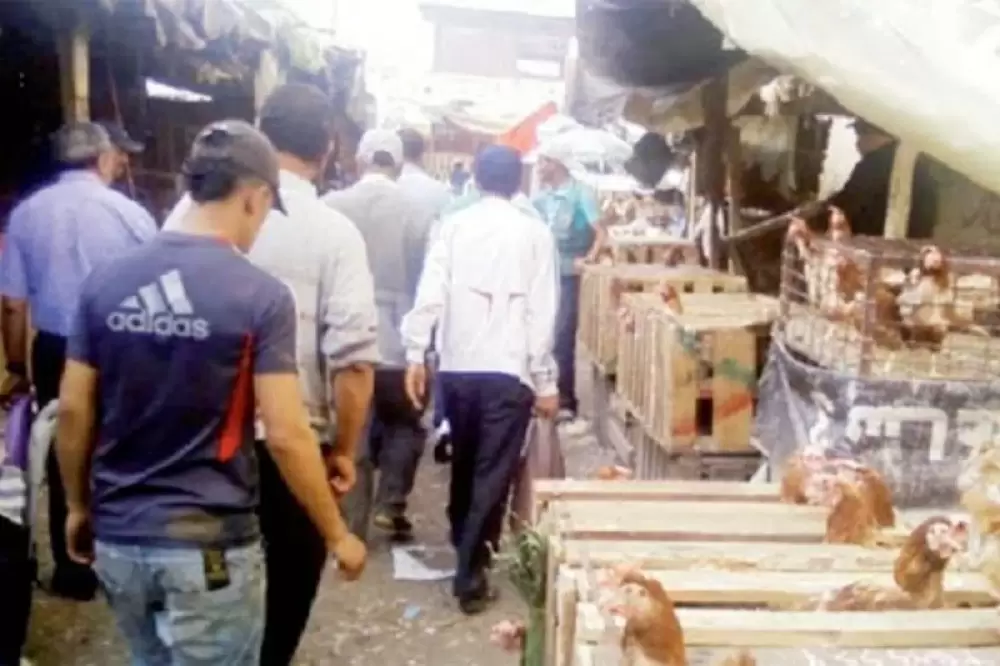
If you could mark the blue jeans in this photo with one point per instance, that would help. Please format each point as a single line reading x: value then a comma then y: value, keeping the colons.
x: 168, y: 616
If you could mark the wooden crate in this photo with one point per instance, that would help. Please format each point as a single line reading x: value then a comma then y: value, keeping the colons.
x: 602, y: 287
x: 731, y: 592
x: 707, y: 357
x: 662, y: 250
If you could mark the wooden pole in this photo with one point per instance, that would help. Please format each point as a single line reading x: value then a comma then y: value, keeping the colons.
x: 897, y: 221
x: 711, y: 159
x: 74, y: 72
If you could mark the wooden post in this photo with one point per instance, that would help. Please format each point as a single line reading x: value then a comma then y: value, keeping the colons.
x: 74, y: 72
x: 734, y: 176
x: 897, y: 221
x: 711, y: 158
x: 268, y: 77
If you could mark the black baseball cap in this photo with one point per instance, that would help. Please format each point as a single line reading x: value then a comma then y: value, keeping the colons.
x: 241, y: 147
x: 121, y: 139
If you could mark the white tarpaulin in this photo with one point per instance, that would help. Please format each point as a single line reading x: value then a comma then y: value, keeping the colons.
x: 925, y: 70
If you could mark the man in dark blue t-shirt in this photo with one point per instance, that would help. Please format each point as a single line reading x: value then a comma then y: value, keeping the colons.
x: 173, y: 347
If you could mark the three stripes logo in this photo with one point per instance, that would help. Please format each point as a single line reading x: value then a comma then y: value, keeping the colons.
x: 161, y: 308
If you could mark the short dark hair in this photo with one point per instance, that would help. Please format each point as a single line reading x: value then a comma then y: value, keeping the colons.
x: 297, y: 118
x: 414, y: 145
x: 210, y: 180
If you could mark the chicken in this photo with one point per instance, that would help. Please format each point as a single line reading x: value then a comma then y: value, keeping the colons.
x: 918, y: 571
x: 652, y: 634
x: 741, y: 658
x: 799, y: 468
x: 613, y: 473
x: 819, y: 267
x: 508, y: 635
x: 671, y: 298
x: 980, y: 487
x: 928, y: 302
x: 849, y: 304
x: 878, y: 494
x: 852, y: 519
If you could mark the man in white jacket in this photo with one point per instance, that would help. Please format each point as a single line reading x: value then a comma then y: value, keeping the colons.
x: 490, y: 282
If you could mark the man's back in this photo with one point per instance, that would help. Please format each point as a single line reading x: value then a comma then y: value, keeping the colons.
x: 427, y: 196
x: 382, y: 214
x: 494, y: 250
x: 176, y: 330
x: 61, y: 233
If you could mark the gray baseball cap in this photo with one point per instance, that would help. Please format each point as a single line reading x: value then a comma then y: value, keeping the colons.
x: 241, y: 147
x: 79, y: 143
x: 121, y: 139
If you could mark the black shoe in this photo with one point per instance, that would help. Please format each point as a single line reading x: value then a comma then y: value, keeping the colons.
x: 479, y: 602
x: 76, y: 585
x: 443, y: 450
x: 399, y: 528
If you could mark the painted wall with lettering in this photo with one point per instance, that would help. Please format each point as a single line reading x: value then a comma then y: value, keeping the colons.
x: 917, y: 433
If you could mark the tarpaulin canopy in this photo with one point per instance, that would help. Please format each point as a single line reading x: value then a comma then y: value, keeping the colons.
x: 925, y: 70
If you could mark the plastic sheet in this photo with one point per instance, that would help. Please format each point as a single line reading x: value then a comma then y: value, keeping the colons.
x: 925, y: 70
x: 916, y: 433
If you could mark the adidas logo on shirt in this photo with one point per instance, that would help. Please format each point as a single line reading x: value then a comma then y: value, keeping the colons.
x: 160, y: 308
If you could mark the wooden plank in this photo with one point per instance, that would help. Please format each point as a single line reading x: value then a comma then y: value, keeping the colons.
x: 548, y: 490
x: 734, y: 382
x: 734, y: 556
x: 882, y: 629
x: 682, y: 400
x: 610, y: 653
x: 729, y: 588
x: 690, y: 521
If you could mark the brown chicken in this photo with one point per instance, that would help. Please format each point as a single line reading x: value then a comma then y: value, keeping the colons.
x: 918, y: 571
x: 613, y: 473
x: 670, y: 297
x: 928, y: 303
x: 799, y: 468
x: 741, y: 658
x: 850, y: 304
x: 980, y: 487
x: 653, y: 634
x: 852, y: 519
x: 877, y: 492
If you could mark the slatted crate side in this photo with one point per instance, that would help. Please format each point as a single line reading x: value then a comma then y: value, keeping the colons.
x: 589, y: 317
x: 710, y: 358
x: 614, y: 284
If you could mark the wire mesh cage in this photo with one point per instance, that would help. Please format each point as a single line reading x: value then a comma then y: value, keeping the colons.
x: 892, y: 308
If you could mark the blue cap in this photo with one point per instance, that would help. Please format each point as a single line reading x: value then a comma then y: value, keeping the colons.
x: 498, y: 171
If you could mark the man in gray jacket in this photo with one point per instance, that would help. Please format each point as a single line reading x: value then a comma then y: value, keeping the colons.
x: 396, y: 239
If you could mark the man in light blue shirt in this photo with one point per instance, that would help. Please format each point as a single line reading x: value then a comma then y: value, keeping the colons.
x: 570, y: 210
x: 54, y: 239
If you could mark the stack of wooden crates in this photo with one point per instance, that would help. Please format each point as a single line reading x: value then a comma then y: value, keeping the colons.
x: 735, y: 561
x: 685, y: 383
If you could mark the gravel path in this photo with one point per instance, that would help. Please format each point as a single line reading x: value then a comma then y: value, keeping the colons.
x: 375, y: 621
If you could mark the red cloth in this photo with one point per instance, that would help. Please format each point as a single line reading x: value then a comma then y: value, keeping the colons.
x: 523, y: 137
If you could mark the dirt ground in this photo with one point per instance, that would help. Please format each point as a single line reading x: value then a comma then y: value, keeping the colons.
x: 376, y: 620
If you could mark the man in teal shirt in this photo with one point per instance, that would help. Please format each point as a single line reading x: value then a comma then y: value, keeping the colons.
x: 571, y: 211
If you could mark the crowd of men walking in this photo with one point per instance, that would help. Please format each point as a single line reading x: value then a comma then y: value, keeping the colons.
x: 230, y: 386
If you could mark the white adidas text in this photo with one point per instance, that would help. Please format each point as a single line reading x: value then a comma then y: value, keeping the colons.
x: 160, y: 308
